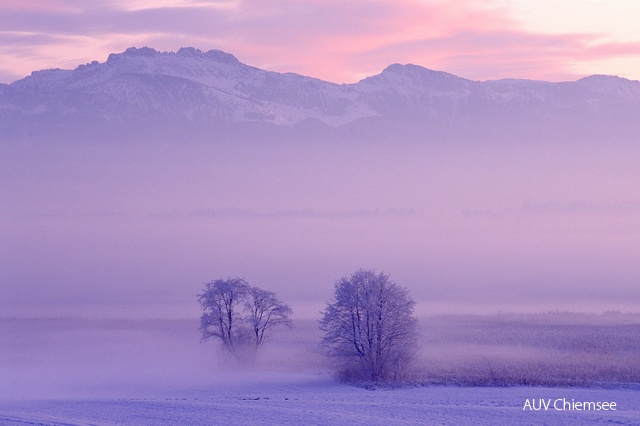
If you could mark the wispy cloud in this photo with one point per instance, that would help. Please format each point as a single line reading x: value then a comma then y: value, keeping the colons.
x: 554, y: 208
x: 293, y: 214
x: 225, y: 213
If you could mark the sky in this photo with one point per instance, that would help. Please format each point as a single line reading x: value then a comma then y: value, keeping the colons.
x: 336, y: 41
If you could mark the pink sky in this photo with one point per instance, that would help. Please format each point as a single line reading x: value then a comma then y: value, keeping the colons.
x: 335, y: 40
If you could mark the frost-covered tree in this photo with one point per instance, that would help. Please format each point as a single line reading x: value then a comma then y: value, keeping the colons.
x: 265, y: 312
x: 221, y: 318
x: 369, y: 326
x: 240, y: 315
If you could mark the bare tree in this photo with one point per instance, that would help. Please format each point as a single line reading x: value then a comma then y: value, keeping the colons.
x: 221, y: 318
x: 240, y: 315
x: 370, y: 327
x: 266, y: 311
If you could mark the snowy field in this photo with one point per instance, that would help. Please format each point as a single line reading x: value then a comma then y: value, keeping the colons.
x: 307, y: 400
x: 116, y: 372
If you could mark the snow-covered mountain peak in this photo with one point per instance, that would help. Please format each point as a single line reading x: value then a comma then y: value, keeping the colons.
x: 160, y: 62
x: 182, y: 53
x: 213, y: 68
x: 141, y: 51
x: 43, y: 80
x: 411, y: 78
x: 602, y: 78
x: 412, y: 71
x: 214, y: 54
x: 611, y: 85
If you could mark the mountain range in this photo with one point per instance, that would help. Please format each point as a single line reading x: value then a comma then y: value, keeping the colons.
x: 143, y: 93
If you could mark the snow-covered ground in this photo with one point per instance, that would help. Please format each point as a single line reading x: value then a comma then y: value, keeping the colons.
x: 317, y: 400
x: 118, y: 372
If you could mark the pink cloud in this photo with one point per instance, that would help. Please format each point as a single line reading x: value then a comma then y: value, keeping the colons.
x: 342, y: 43
x: 332, y: 39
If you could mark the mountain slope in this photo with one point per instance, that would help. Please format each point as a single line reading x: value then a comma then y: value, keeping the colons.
x: 191, y: 93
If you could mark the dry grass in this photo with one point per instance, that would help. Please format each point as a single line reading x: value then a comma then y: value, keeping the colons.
x: 555, y: 349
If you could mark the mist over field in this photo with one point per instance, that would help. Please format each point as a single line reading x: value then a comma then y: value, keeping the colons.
x: 71, y: 358
x: 134, y: 231
x: 74, y: 358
